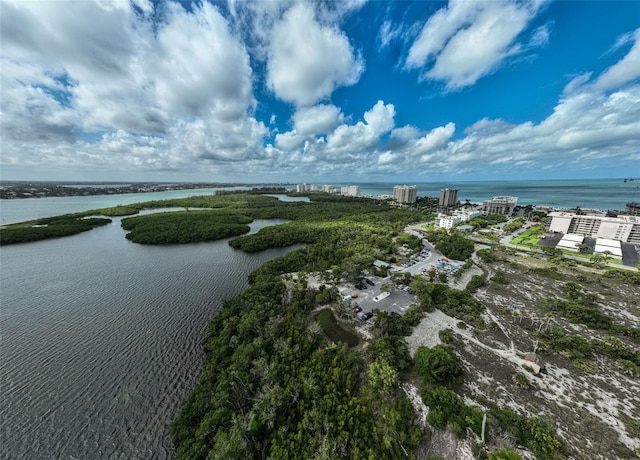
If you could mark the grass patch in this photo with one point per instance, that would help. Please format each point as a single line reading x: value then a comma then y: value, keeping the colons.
x: 530, y: 237
x: 333, y: 330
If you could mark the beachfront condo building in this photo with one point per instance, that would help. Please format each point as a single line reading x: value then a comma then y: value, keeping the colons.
x: 350, y: 190
x: 405, y: 193
x: 621, y: 228
x: 448, y: 197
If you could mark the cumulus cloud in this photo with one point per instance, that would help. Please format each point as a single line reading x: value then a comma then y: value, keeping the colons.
x: 186, y: 80
x: 307, y: 60
x: 319, y: 119
x: 467, y: 40
x: 289, y: 141
x: 175, y: 93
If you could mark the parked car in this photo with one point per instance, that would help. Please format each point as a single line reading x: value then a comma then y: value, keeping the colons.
x: 369, y: 282
x: 357, y: 309
x: 367, y: 315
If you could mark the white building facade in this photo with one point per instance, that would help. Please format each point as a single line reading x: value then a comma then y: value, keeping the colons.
x: 500, y: 205
x: 621, y: 228
x: 350, y: 190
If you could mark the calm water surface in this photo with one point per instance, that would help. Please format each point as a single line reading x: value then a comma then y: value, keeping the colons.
x: 101, y: 340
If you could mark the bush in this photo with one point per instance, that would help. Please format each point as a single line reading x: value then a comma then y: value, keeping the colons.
x: 438, y: 364
x: 475, y: 283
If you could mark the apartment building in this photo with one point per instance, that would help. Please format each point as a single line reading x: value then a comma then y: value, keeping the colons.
x: 350, y: 190
x: 621, y: 228
x: 405, y: 193
x: 448, y: 197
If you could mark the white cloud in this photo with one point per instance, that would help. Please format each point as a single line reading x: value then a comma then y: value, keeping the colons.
x: 289, y: 141
x: 307, y: 60
x: 201, y: 67
x: 188, y: 82
x: 540, y: 36
x: 405, y: 133
x: 319, y: 119
x: 363, y: 136
x: 627, y: 69
x: 388, y: 33
x: 467, y: 40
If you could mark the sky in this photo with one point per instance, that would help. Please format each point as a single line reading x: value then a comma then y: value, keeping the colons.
x: 319, y: 92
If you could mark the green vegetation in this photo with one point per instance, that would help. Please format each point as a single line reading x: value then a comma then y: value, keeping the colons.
x: 530, y: 237
x: 452, y: 244
x: 453, y: 302
x: 438, y: 365
x: 489, y: 255
x: 466, y: 266
x: 446, y: 409
x: 576, y: 347
x: 500, y: 277
x: 185, y: 226
x: 514, y: 225
x: 584, y: 312
x: 503, y: 454
x: 271, y: 386
x: 118, y: 211
x: 334, y: 331
x: 50, y: 227
x: 475, y: 283
x: 487, y: 221
x: 547, y: 272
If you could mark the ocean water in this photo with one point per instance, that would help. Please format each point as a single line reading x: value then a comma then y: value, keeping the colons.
x: 601, y: 194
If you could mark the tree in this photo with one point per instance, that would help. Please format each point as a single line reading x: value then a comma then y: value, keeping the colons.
x: 382, y: 376
x: 438, y: 364
x: 584, y: 248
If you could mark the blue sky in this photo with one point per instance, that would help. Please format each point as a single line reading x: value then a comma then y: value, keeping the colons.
x: 332, y: 91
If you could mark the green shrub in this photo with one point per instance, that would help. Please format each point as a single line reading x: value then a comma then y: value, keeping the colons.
x: 438, y: 364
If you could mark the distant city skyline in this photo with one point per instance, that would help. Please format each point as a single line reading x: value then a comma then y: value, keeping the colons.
x: 321, y: 92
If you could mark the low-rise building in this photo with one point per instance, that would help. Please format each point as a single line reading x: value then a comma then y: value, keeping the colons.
x: 456, y: 217
x: 448, y: 221
x: 621, y: 228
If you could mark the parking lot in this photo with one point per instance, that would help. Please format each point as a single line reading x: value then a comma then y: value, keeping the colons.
x: 398, y: 300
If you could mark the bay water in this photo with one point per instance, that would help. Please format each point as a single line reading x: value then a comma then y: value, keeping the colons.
x: 102, y: 339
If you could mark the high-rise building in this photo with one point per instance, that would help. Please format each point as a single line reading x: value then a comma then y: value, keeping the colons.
x: 405, y: 193
x: 350, y: 190
x: 301, y: 188
x: 500, y: 205
x: 448, y: 197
